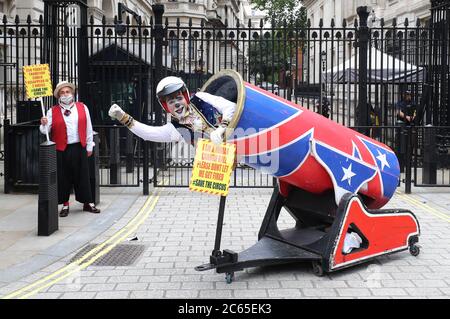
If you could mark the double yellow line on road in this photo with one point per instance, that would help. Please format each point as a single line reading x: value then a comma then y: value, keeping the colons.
x: 428, y: 209
x: 91, y: 256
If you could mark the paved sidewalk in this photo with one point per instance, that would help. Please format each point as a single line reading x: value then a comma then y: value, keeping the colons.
x: 23, y: 252
x: 178, y: 234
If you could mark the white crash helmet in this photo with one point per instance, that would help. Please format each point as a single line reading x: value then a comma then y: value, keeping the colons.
x: 169, y: 85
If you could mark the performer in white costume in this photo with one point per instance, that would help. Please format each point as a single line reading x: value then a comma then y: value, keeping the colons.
x: 203, y: 112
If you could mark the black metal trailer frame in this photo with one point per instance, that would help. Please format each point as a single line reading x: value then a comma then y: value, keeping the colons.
x: 313, y: 239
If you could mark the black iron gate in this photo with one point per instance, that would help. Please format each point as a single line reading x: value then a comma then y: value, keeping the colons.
x: 349, y: 72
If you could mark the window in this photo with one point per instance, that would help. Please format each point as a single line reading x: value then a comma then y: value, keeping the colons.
x: 191, y: 48
x: 174, y: 47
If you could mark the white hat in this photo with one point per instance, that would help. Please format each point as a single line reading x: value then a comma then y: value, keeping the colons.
x: 60, y: 85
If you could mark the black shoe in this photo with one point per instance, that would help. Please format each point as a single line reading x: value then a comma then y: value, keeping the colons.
x: 64, y: 211
x: 91, y: 209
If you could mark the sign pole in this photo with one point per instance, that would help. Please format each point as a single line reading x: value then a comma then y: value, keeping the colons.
x: 216, y: 252
x: 43, y: 114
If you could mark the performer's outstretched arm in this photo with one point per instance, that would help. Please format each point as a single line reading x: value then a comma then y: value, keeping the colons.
x: 165, y: 133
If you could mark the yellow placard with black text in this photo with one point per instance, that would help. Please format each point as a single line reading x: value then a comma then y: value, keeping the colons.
x: 212, y: 167
x: 37, y: 80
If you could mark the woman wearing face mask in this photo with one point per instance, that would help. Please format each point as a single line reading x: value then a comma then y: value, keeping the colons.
x: 70, y: 127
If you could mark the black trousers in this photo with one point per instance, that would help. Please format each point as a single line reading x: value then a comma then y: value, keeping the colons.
x: 73, y: 171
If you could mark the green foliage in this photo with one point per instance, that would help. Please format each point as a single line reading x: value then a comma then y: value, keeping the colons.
x: 277, y: 48
x: 281, y: 12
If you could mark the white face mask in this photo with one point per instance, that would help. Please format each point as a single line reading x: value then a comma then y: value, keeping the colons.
x: 66, y: 101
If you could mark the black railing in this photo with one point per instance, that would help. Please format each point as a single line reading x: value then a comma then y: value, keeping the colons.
x: 349, y: 72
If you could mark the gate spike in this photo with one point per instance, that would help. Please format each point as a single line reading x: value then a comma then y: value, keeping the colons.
x: 249, y: 23
x: 394, y: 22
x: 406, y: 22
x: 104, y: 20
x: 344, y: 23
x: 91, y: 19
x: 382, y: 22
x: 332, y: 23
x: 17, y: 19
x: 5, y: 20
x: 28, y: 19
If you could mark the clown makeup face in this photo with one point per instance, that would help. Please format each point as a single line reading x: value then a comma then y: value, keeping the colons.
x: 177, y: 105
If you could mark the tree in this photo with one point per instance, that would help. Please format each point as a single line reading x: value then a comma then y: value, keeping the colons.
x: 281, y: 12
x: 272, y: 53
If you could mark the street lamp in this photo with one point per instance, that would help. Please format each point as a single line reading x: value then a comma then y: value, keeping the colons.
x: 121, y: 9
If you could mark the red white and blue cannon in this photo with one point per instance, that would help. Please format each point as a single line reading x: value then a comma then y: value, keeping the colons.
x: 331, y: 179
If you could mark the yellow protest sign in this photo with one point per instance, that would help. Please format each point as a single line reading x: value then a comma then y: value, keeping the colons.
x: 212, y: 167
x: 37, y: 80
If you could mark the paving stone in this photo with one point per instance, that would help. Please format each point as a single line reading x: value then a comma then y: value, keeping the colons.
x: 146, y: 294
x: 46, y: 295
x: 263, y: 284
x: 388, y: 292
x: 132, y: 286
x: 250, y: 293
x: 330, y: 284
x: 325, y: 292
x: 285, y: 293
x: 354, y: 292
x: 98, y: 287
x: 112, y: 295
x: 426, y: 292
x: 182, y: 293
x: 123, y: 279
x: 78, y: 295
x: 215, y: 294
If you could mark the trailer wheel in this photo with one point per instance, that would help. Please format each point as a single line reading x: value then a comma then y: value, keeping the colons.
x: 414, y: 250
x: 317, y: 268
x: 229, y: 276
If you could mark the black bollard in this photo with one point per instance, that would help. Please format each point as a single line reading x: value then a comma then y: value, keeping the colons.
x: 48, y: 190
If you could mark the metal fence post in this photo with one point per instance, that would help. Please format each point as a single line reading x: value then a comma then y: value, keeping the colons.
x: 158, y: 10
x: 83, y: 53
x: 430, y: 158
x: 363, y: 39
x: 114, y: 156
x: 408, y: 158
x: 7, y: 154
